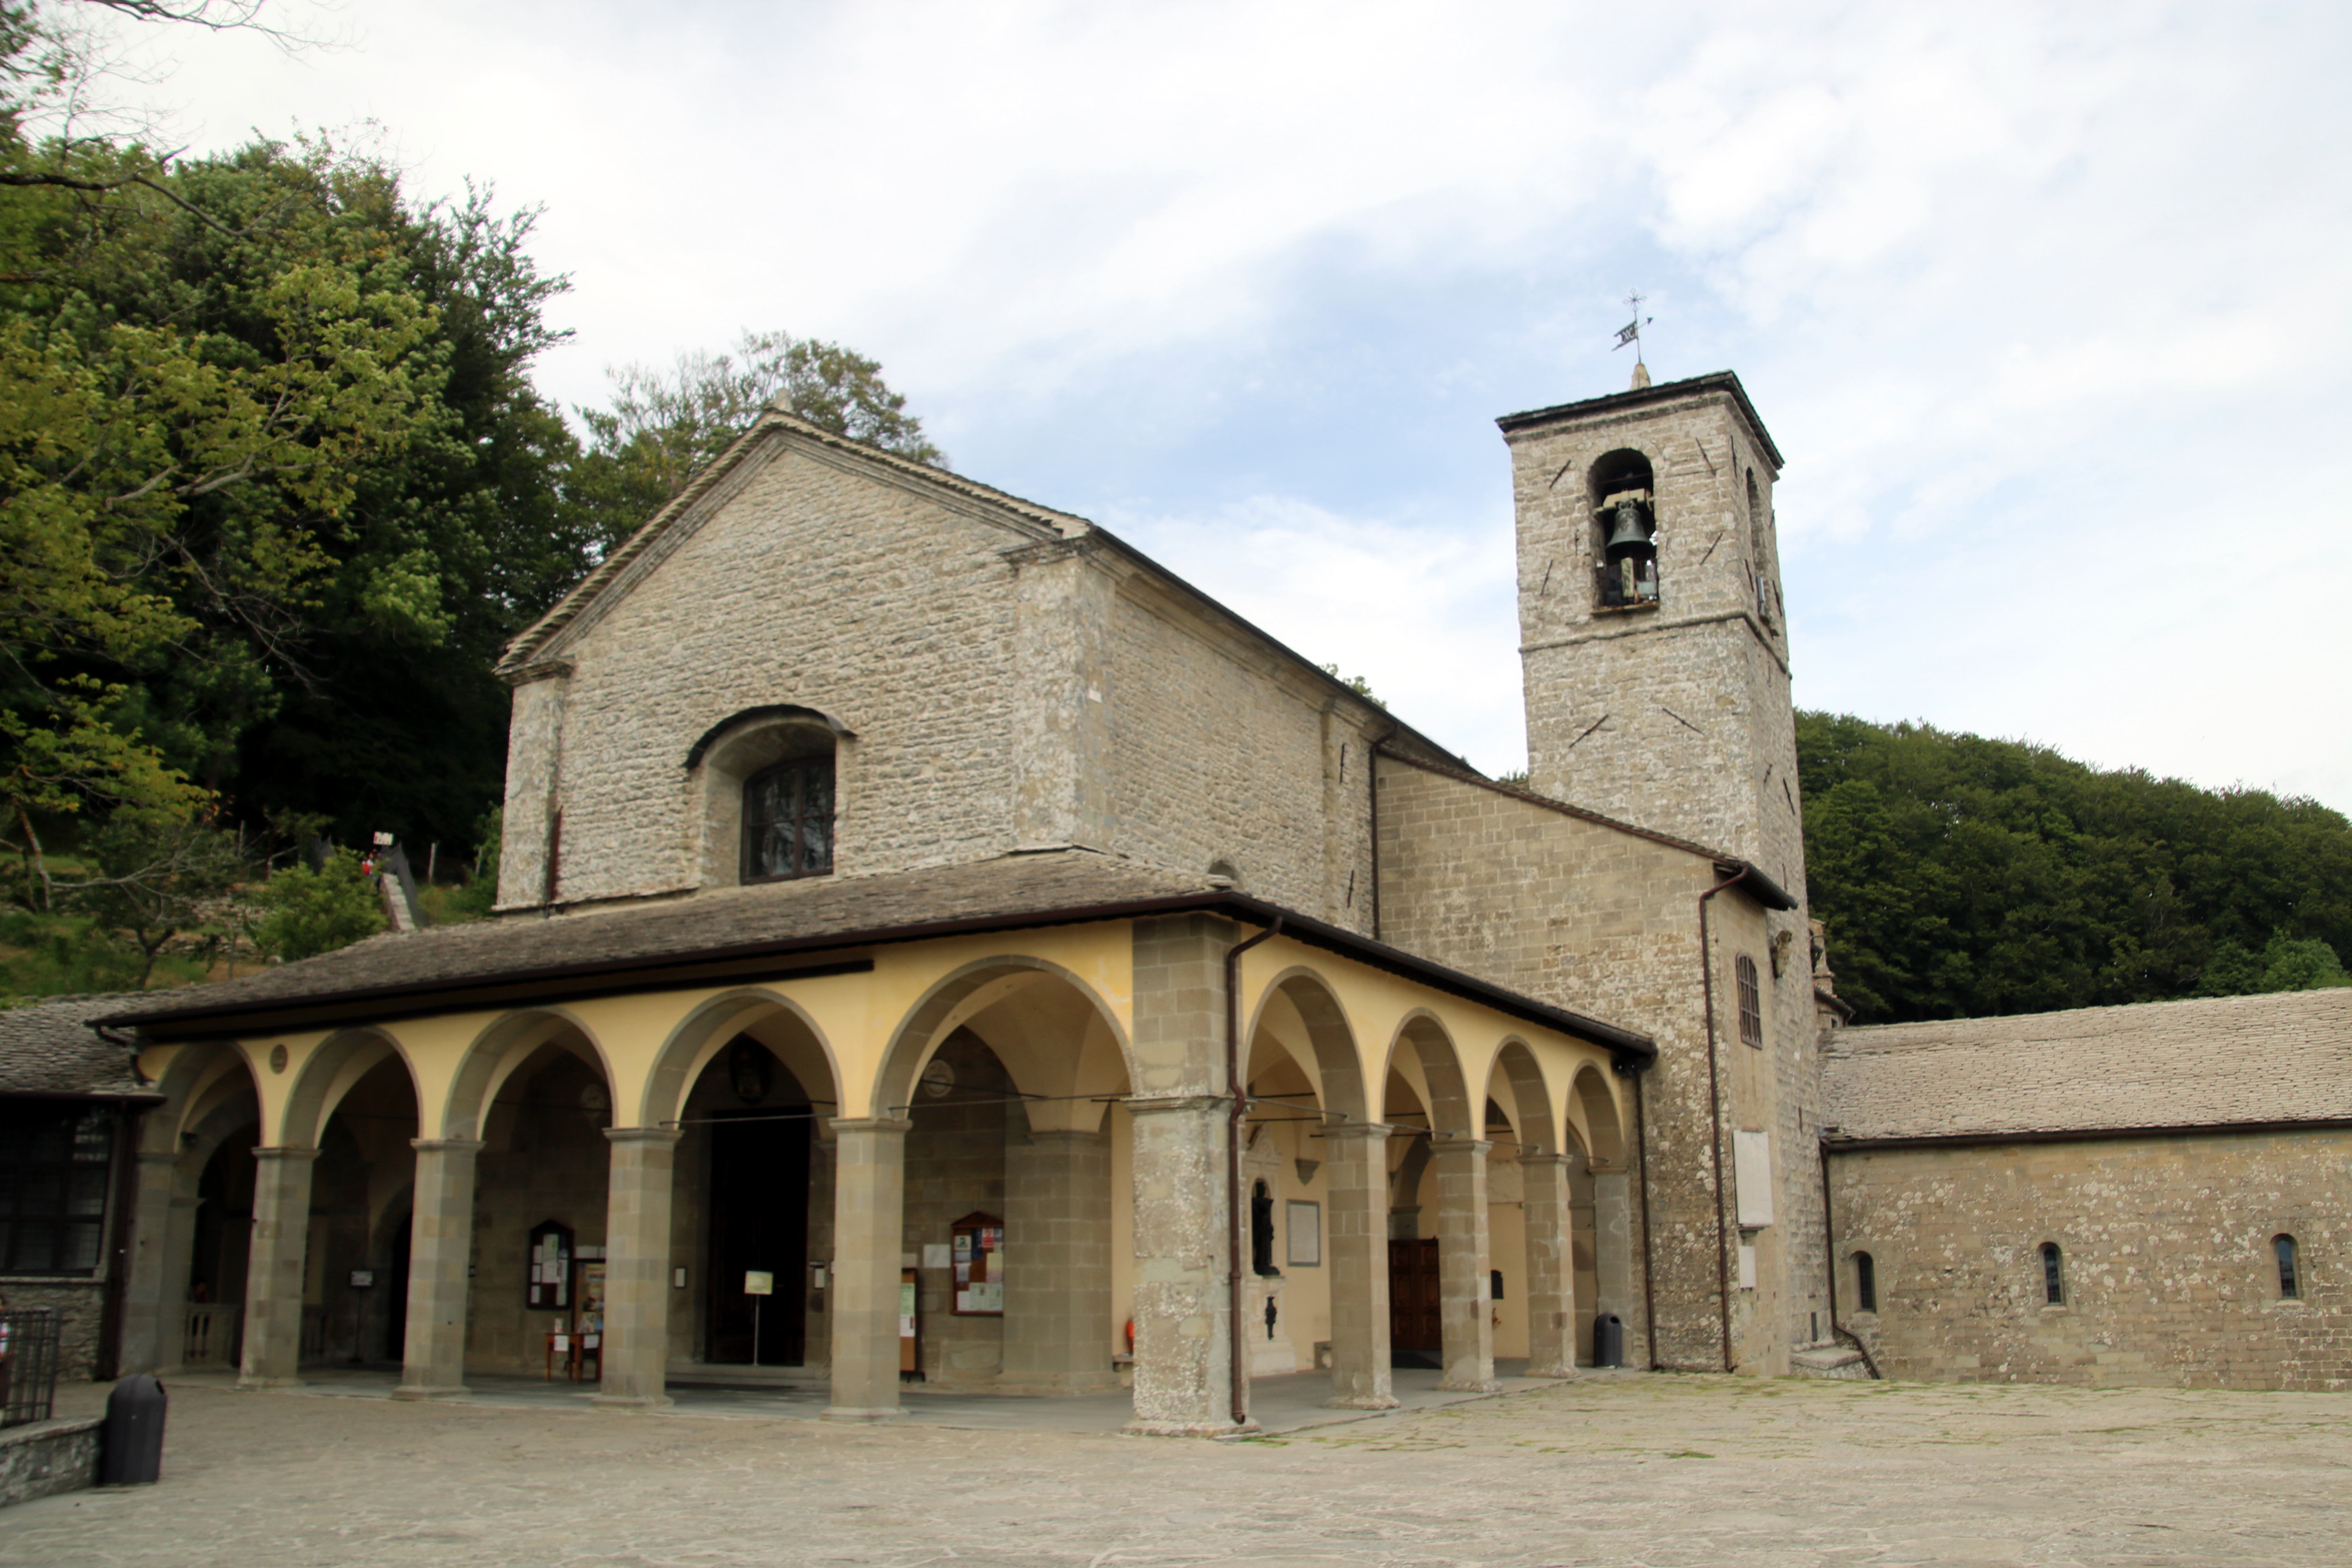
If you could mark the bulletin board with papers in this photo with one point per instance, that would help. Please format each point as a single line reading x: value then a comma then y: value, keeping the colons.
x: 977, y: 1252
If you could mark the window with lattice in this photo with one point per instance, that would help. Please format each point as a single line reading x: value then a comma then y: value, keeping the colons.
x: 1752, y: 1003
x: 55, y: 1160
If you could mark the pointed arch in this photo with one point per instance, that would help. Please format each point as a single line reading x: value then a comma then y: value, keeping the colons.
x: 778, y: 1022
x: 1528, y: 1097
x: 502, y: 1048
x: 964, y: 995
x: 329, y: 1073
x: 1337, y: 1062
x: 1597, y: 1109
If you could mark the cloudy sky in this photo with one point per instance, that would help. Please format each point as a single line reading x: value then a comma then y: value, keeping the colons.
x: 2046, y: 306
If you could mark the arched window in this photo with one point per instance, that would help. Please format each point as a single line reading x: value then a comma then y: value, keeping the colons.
x: 765, y: 782
x: 1751, y: 1003
x: 1865, y: 1282
x: 2290, y: 1285
x: 2054, y: 1275
x: 1625, y: 523
x: 788, y: 820
x: 1262, y: 1232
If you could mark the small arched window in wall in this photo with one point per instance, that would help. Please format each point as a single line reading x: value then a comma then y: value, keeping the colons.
x: 2054, y: 1275
x: 1625, y: 525
x: 1752, y: 1003
x: 1865, y: 1282
x: 788, y: 820
x: 2290, y: 1283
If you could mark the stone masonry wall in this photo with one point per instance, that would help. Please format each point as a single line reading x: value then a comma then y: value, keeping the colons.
x: 815, y: 586
x: 1598, y: 920
x: 2170, y: 1278
x: 1215, y: 757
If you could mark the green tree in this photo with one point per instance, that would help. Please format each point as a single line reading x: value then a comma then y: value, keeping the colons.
x: 155, y: 876
x: 2284, y: 963
x: 662, y: 426
x: 1963, y: 876
x: 307, y: 912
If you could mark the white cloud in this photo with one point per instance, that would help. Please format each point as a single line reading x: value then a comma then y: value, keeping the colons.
x: 2035, y: 297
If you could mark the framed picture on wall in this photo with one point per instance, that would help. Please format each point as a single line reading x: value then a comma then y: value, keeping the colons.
x: 1303, y: 1224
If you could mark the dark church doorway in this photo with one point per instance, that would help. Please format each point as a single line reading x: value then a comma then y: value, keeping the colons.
x: 758, y: 1223
x: 1416, y: 1327
x: 395, y: 1291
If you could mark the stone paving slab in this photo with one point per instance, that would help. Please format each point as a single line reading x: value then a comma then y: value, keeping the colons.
x: 1620, y: 1472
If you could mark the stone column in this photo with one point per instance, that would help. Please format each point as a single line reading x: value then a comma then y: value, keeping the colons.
x: 869, y: 1209
x: 1058, y: 1317
x: 1183, y: 1306
x: 273, y: 1275
x: 1462, y: 1284
x: 1613, y: 1257
x: 637, y: 1268
x: 154, y: 1327
x: 440, y: 1250
x: 1356, y: 1259
x: 1552, y: 1266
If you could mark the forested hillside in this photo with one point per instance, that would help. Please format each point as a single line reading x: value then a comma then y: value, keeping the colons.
x: 276, y: 485
x: 1961, y: 877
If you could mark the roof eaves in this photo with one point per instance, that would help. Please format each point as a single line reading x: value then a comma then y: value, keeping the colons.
x: 1624, y: 1042
x: 1662, y: 391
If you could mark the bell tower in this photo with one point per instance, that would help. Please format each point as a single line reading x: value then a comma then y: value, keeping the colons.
x: 1654, y: 651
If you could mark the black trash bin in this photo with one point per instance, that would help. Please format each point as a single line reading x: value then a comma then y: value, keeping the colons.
x: 1609, y: 1340
x: 131, y: 1451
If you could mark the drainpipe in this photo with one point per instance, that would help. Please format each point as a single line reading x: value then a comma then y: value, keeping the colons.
x: 1828, y: 1242
x: 1715, y: 1109
x: 1239, y: 1329
x: 1649, y: 1230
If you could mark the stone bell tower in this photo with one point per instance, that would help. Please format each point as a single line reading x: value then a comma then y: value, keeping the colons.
x: 1654, y: 650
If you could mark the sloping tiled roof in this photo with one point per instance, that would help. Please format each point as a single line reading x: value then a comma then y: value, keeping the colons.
x: 713, y: 924
x: 2217, y: 1061
x: 723, y: 933
x: 48, y: 1048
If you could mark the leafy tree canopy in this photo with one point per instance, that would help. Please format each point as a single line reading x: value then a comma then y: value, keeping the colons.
x: 1961, y: 877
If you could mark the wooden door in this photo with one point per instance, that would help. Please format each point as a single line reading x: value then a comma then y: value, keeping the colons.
x: 1414, y: 1323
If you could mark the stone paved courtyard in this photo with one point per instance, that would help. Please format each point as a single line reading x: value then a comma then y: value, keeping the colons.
x: 1621, y: 1470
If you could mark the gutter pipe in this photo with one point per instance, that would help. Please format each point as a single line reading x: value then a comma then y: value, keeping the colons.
x: 1714, y: 1110
x: 1237, y: 1330
x: 1828, y: 1242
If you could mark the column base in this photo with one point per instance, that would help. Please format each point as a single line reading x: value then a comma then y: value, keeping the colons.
x: 630, y: 1401
x: 431, y: 1391
x: 1557, y: 1370
x: 1361, y: 1402
x: 857, y: 1413
x: 1191, y: 1429
x: 1468, y: 1385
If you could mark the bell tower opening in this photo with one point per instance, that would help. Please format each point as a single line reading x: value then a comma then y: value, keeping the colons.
x: 1625, y: 532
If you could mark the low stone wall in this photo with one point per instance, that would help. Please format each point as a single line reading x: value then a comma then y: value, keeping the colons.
x: 48, y: 1457
x: 80, y: 1307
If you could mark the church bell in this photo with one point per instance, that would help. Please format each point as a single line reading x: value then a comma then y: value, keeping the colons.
x: 1628, y: 524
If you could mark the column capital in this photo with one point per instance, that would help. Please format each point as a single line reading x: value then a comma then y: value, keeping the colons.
x: 285, y: 1152
x: 886, y: 1125
x: 1543, y: 1160
x: 1441, y: 1146
x: 1381, y: 1129
x: 1606, y: 1167
x: 1158, y: 1104
x: 644, y: 1134
x: 468, y: 1146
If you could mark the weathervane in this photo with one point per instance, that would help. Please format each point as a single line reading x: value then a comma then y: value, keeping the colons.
x: 1631, y: 333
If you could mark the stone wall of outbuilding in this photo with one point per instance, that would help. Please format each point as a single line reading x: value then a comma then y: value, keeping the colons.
x: 2169, y: 1273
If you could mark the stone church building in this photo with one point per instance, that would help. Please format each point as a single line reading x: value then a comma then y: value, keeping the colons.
x: 936, y: 941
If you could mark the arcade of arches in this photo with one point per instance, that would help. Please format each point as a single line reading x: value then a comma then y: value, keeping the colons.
x: 993, y: 1162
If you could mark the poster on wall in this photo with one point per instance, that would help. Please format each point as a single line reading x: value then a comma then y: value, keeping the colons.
x: 547, y: 1286
x: 977, y: 1245
x: 1303, y: 1223
x: 589, y: 1290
